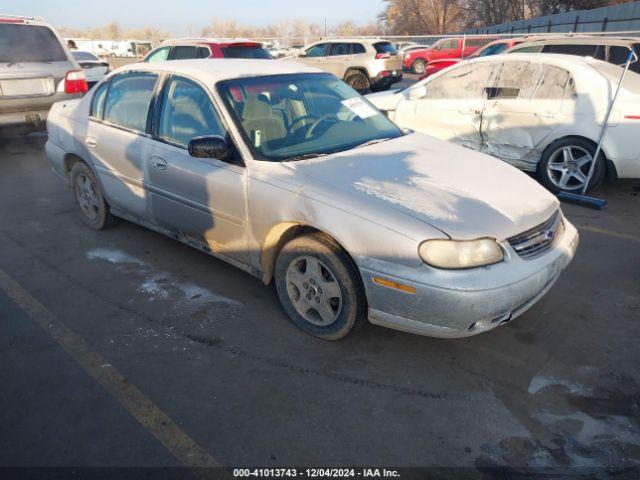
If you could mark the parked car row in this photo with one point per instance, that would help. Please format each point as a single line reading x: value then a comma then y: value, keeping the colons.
x: 610, y: 49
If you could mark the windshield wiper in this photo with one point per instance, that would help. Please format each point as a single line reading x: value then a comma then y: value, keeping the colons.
x: 372, y: 142
x: 305, y: 156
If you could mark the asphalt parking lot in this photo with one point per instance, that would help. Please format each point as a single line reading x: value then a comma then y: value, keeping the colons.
x: 126, y: 348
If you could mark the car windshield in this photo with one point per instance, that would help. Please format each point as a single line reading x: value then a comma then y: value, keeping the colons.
x: 290, y: 117
x: 84, y: 56
x: 29, y: 43
x: 494, y: 49
x: 246, y: 51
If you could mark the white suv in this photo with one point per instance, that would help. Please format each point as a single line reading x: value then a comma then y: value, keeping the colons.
x: 365, y: 65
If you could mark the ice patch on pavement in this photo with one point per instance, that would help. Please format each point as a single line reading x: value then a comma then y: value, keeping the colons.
x: 113, y: 256
x: 542, y: 381
x: 160, y: 284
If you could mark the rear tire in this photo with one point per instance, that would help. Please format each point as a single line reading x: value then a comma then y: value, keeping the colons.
x: 359, y: 81
x: 94, y: 210
x: 419, y: 67
x: 319, y: 287
x: 565, y: 164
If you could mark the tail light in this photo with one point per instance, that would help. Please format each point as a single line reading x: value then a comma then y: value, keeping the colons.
x: 382, y: 56
x: 75, y: 82
x: 632, y: 117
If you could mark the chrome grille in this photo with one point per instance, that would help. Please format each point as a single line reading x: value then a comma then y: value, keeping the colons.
x: 538, y: 240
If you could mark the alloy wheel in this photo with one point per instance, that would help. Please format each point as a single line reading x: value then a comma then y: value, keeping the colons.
x: 568, y: 167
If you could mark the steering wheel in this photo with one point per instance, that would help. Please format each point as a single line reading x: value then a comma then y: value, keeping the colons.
x: 298, y: 120
x: 324, y: 117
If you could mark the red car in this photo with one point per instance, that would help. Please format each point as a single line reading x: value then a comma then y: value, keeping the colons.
x: 445, y: 49
x: 184, y: 49
x: 493, y: 48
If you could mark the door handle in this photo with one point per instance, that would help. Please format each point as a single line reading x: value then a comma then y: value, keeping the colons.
x: 545, y: 115
x: 470, y: 112
x: 91, y: 142
x: 159, y: 163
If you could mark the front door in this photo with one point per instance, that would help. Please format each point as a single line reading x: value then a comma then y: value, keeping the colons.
x: 524, y: 107
x: 315, y: 56
x: 451, y: 107
x: 198, y: 199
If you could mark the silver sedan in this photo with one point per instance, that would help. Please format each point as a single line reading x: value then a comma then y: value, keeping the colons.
x: 292, y: 176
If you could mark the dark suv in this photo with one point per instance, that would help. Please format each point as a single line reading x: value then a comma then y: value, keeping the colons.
x: 36, y: 70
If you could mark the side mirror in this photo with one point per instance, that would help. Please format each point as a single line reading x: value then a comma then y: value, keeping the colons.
x: 418, y: 93
x: 210, y: 147
x: 302, y: 54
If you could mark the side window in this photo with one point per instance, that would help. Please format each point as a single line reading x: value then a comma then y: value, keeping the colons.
x: 159, y: 55
x: 97, y: 102
x: 317, y: 50
x: 357, y: 48
x: 182, y: 52
x: 128, y: 100
x: 339, y: 49
x: 556, y: 84
x: 203, y: 52
x: 187, y: 112
x: 516, y: 80
x: 572, y: 49
x: 464, y: 82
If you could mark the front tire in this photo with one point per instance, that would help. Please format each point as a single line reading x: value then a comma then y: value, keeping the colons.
x: 565, y: 164
x: 319, y: 287
x: 419, y: 67
x: 94, y: 210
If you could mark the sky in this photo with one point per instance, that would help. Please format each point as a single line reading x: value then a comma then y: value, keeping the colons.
x: 179, y: 16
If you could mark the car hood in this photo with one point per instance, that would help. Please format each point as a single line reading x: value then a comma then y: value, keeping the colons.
x: 461, y: 192
x: 386, y: 101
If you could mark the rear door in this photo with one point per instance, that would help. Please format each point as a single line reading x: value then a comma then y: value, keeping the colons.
x: 524, y: 107
x: 201, y: 199
x: 452, y: 107
x: 118, y: 139
x: 338, y: 59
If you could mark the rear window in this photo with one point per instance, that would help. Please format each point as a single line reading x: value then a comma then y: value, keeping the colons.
x: 85, y: 56
x: 243, y: 51
x: 385, y: 47
x: 184, y: 53
x: 29, y: 43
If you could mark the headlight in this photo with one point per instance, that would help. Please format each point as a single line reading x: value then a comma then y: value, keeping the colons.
x: 459, y: 254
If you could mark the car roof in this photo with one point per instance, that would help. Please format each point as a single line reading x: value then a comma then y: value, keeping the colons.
x: 351, y: 40
x: 207, y: 41
x: 583, y: 40
x: 214, y: 70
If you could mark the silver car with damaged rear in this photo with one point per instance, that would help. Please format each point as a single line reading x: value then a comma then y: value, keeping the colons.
x: 36, y: 70
x: 294, y: 177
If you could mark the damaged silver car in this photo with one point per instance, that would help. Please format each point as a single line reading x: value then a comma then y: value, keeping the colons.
x: 292, y: 176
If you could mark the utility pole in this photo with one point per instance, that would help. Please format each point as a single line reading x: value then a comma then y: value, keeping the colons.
x: 325, y: 27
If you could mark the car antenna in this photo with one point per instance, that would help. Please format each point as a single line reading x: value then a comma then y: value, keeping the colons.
x: 582, y: 198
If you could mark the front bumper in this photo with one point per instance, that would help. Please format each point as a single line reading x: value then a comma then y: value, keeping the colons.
x: 451, y: 311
